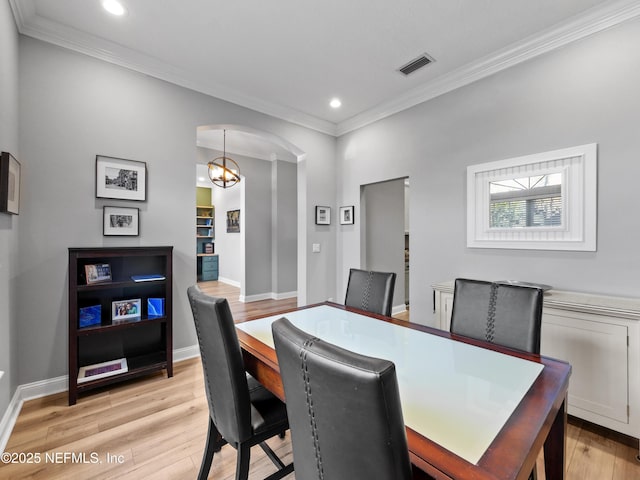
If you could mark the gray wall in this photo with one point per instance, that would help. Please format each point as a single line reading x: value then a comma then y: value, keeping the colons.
x: 8, y: 223
x: 257, y: 225
x: 585, y: 92
x: 382, y: 228
x: 284, y: 227
x: 263, y: 255
x: 73, y: 107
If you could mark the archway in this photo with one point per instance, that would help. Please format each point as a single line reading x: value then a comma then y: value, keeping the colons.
x: 259, y: 258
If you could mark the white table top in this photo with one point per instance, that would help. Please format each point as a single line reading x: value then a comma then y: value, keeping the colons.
x: 455, y: 394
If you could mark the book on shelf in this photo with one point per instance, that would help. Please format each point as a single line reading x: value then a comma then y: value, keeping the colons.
x: 147, y: 278
x: 102, y: 370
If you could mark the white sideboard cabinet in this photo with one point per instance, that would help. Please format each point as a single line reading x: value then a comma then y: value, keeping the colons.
x: 600, y: 337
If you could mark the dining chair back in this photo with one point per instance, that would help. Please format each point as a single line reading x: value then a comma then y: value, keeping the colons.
x: 344, y: 410
x: 242, y: 413
x: 370, y: 291
x: 509, y: 315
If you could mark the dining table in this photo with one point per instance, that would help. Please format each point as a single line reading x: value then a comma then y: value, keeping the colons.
x: 472, y: 409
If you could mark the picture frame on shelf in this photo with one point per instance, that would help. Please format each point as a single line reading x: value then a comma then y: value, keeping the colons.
x: 323, y: 215
x: 347, y: 215
x: 97, y: 273
x: 122, y: 221
x: 118, y: 178
x: 90, y: 316
x: 9, y: 184
x: 102, y: 370
x: 155, y: 307
x: 126, y: 309
x: 233, y: 221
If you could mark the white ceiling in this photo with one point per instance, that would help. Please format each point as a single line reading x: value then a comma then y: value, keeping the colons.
x: 288, y: 58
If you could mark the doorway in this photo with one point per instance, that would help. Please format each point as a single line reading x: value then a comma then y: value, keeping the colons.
x: 257, y: 249
x: 385, y: 234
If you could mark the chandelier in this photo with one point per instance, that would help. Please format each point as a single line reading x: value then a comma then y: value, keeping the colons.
x: 224, y: 171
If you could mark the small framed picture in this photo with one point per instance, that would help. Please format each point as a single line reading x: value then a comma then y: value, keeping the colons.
x: 9, y: 184
x: 102, y: 370
x: 98, y: 273
x: 120, y: 221
x: 155, y: 307
x: 125, y: 309
x: 323, y: 215
x: 233, y: 221
x: 121, y: 179
x: 346, y: 215
x: 89, y: 316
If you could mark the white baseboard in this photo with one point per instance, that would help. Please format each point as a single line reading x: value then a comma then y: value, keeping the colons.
x: 285, y: 295
x: 398, y: 309
x: 9, y: 420
x: 259, y: 296
x: 267, y: 296
x: 228, y: 281
x: 255, y: 298
x: 51, y: 386
x: 186, y: 353
x: 26, y: 392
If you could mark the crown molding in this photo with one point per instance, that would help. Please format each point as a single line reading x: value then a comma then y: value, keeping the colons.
x: 592, y: 21
x: 30, y: 24
x: 588, y: 23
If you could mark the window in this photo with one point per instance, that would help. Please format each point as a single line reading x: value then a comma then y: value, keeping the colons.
x: 542, y: 201
x: 526, y: 202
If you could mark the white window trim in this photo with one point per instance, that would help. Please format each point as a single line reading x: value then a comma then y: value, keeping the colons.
x: 579, y: 194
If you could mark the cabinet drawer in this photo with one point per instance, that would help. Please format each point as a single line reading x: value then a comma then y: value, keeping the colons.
x: 209, y: 264
x: 208, y: 276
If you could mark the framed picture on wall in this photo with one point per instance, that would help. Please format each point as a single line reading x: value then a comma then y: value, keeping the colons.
x: 9, y: 184
x: 120, y: 221
x: 121, y: 179
x: 323, y: 215
x: 346, y: 215
x: 233, y: 221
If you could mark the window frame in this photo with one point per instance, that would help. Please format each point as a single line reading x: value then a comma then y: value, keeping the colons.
x: 577, y: 231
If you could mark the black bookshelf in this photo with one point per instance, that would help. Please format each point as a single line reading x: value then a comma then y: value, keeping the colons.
x: 136, y: 331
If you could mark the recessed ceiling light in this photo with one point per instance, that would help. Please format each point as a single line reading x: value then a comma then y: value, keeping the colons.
x: 114, y: 7
x: 335, y: 103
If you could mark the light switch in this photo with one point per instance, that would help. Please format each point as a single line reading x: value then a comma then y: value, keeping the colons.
x: 315, y: 248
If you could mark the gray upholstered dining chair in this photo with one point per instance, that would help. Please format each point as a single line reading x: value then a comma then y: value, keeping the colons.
x: 344, y: 410
x: 242, y: 413
x: 370, y: 291
x: 509, y: 315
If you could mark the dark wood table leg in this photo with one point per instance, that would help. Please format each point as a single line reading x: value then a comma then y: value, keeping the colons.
x: 555, y: 446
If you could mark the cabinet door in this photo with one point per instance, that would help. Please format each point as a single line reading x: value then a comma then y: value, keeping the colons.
x: 443, y: 306
x: 597, y: 352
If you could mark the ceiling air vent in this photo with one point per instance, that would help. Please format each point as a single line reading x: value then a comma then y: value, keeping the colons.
x: 415, y: 64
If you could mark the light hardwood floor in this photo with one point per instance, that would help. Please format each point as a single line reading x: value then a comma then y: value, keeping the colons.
x: 155, y: 428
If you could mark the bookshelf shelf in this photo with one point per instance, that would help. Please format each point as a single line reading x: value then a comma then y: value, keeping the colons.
x: 207, y: 260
